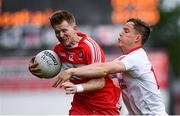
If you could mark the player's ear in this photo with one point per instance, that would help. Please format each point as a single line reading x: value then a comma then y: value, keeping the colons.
x: 75, y: 27
x: 138, y: 38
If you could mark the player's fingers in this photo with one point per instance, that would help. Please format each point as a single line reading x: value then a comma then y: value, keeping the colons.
x: 67, y: 83
x: 57, y: 82
x: 68, y: 87
x: 38, y: 75
x: 64, y: 85
x: 70, y: 90
x: 32, y: 59
x: 34, y: 65
x: 35, y: 70
x: 61, y: 82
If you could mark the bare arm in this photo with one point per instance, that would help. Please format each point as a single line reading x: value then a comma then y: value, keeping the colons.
x: 97, y: 70
x: 91, y: 85
x: 94, y: 84
x: 91, y: 71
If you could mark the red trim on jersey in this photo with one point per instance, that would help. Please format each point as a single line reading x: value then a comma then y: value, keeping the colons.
x: 97, y: 51
x: 133, y: 49
x: 93, y: 44
x: 95, y: 55
x: 152, y: 69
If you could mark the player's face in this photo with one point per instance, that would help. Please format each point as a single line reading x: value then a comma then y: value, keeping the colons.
x: 127, y: 37
x: 65, y: 33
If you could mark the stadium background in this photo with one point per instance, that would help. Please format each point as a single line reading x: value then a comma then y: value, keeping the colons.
x: 25, y: 31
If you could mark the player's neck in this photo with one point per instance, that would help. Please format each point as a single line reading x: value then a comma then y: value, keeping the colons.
x: 74, y: 43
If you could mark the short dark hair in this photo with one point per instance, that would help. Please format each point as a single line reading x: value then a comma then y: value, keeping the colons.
x: 59, y: 16
x: 142, y: 28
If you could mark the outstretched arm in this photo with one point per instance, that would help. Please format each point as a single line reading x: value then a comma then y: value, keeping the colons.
x: 91, y: 71
x: 91, y: 85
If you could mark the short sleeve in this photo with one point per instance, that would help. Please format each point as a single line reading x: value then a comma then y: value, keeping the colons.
x: 128, y: 61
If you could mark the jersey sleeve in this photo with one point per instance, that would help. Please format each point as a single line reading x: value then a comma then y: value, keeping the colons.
x: 56, y: 48
x: 128, y: 61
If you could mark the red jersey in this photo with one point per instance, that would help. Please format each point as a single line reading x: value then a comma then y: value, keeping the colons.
x: 87, y: 52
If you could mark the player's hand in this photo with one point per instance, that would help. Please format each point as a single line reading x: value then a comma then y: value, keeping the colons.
x: 69, y: 87
x: 62, y: 77
x: 33, y: 68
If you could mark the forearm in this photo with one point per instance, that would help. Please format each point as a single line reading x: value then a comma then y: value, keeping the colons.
x: 93, y: 84
x: 90, y: 71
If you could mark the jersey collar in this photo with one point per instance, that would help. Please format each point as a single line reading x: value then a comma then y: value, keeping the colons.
x: 82, y: 35
x: 133, y: 49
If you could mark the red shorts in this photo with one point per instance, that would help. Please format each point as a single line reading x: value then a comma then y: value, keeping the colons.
x: 78, y: 109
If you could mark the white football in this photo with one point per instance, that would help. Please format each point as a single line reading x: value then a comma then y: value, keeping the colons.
x: 49, y: 63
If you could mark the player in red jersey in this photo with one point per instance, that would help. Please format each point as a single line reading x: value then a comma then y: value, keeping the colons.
x: 91, y: 96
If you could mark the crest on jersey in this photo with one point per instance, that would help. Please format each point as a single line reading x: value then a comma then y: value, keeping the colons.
x: 80, y: 55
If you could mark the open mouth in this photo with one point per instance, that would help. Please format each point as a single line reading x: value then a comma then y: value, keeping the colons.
x: 63, y: 40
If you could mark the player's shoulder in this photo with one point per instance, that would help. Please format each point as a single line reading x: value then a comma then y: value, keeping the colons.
x: 89, y: 39
x: 57, y: 46
x: 138, y: 58
x: 89, y: 42
x: 140, y: 53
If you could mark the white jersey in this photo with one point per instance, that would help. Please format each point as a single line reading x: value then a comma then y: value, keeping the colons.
x: 140, y: 90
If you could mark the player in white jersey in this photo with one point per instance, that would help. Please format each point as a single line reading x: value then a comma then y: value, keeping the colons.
x: 140, y: 89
